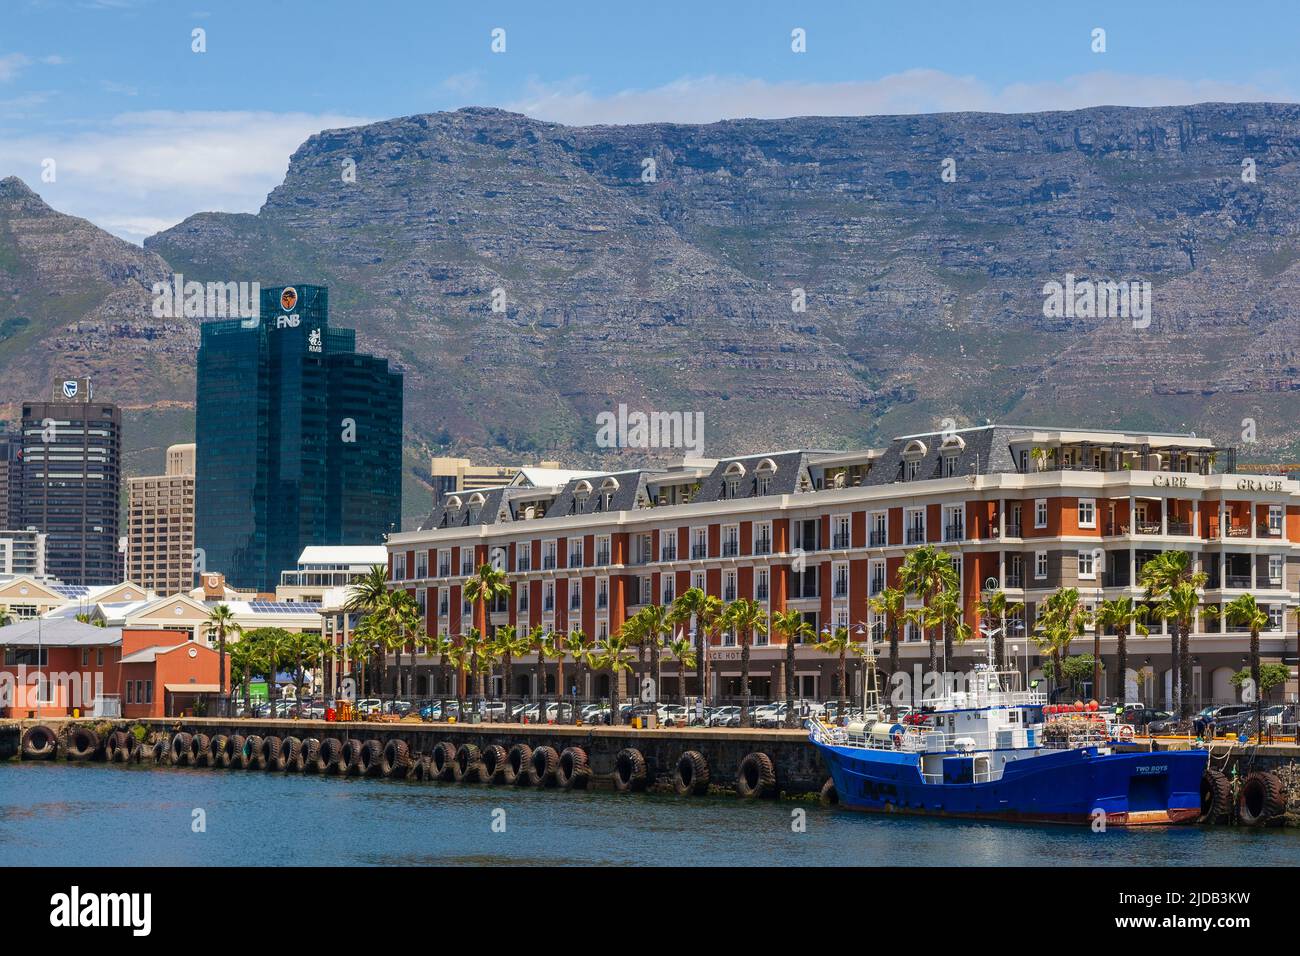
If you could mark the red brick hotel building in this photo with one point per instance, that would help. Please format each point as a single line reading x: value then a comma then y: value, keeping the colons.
x: 1024, y: 509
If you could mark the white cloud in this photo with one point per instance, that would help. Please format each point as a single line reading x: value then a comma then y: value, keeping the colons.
x: 11, y: 64
x: 707, y: 99
x: 145, y: 171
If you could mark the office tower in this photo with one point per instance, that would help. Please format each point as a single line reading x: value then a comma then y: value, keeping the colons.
x: 299, y: 439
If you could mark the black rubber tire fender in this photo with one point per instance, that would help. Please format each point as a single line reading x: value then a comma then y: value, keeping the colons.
x: 372, y: 758
x: 200, y: 750
x: 829, y: 796
x: 83, y: 743
x: 39, y: 743
x: 117, y: 746
x: 573, y: 771
x: 136, y: 753
x: 251, y: 752
x: 442, y: 762
x: 396, y: 761
x: 1261, y: 799
x: 468, y: 765
x: 270, y: 758
x: 518, y: 761
x: 544, y: 766
x: 494, y: 761
x: 691, y: 778
x: 182, y: 754
x: 351, y: 757
x: 290, y: 758
x: 330, y: 758
x: 310, y: 755
x: 236, y: 748
x: 221, y: 751
x: 419, y: 768
x: 629, y: 773
x: 1216, y: 797
x: 162, y: 751
x: 756, y: 776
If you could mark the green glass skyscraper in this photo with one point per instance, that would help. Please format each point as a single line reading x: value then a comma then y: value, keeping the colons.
x: 299, y: 439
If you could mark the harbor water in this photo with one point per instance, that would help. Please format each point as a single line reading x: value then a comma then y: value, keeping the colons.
x: 95, y: 814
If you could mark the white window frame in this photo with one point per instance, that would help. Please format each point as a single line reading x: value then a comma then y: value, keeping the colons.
x: 1087, y: 566
x: 1040, y: 565
x: 1040, y: 512
x: 1280, y: 561
x: 1091, y: 505
x: 1275, y: 512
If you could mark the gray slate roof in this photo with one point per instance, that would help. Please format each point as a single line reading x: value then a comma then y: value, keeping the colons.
x: 987, y: 452
x: 790, y: 467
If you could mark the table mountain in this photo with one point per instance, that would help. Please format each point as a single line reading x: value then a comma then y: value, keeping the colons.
x: 670, y: 287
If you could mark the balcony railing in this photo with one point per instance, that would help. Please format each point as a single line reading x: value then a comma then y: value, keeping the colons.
x: 954, y: 532
x: 524, y: 564
x: 1236, y: 580
x: 575, y: 559
x: 575, y: 604
x: 760, y: 592
x: 916, y: 536
x: 879, y: 539
x: 602, y: 601
x: 841, y: 540
x: 729, y: 594
x: 444, y: 570
x: 730, y: 549
x: 841, y: 589
x: 602, y: 557
x: 548, y: 604
x: 548, y: 562
x: 699, y: 551
x: 763, y: 546
x: 1013, y: 529
x: 1015, y: 581
x: 1183, y: 528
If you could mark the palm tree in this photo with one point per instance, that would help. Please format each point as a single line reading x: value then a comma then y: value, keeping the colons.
x: 1159, y: 576
x: 575, y: 638
x: 925, y: 572
x: 487, y: 586
x: 998, y: 607
x: 706, y: 612
x: 681, y: 650
x: 792, y: 626
x: 366, y: 596
x: 475, y: 643
x: 244, y: 663
x: 1179, y: 604
x: 537, y: 640
x: 635, y: 635
x: 1245, y: 612
x: 889, y: 605
x: 221, y: 621
x: 402, y: 616
x: 614, y: 658
x: 839, y: 642
x: 300, y: 650
x: 511, y: 644
x: 746, y: 618
x: 551, y: 649
x: 459, y: 655
x: 658, y: 625
x: 945, y: 613
x: 1061, y: 619
x: 1120, y: 614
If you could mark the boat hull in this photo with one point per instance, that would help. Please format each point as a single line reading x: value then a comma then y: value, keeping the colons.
x: 1065, y: 786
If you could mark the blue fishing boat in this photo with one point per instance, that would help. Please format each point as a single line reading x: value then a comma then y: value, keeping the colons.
x: 990, y: 750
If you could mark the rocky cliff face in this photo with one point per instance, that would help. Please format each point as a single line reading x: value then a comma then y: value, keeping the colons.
x: 75, y: 301
x: 673, y: 290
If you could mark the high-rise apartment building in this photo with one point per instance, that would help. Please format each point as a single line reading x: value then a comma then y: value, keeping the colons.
x: 72, y: 467
x: 11, y: 478
x: 160, y: 526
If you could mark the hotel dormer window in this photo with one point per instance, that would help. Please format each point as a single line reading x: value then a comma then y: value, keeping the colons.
x: 949, y: 466
x: 913, y: 453
x: 731, y: 480
x: 607, y: 489
x: 581, y: 493
x: 475, y: 507
x: 763, y: 476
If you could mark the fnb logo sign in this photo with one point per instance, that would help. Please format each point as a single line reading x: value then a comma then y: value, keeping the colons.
x: 286, y: 321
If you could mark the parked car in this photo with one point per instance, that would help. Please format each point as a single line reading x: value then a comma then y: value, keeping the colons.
x: 727, y: 715
x: 1164, y: 722
x: 676, y: 715
x: 1221, y: 716
x: 1139, y: 715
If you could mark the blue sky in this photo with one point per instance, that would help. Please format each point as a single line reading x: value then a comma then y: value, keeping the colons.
x: 144, y: 131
